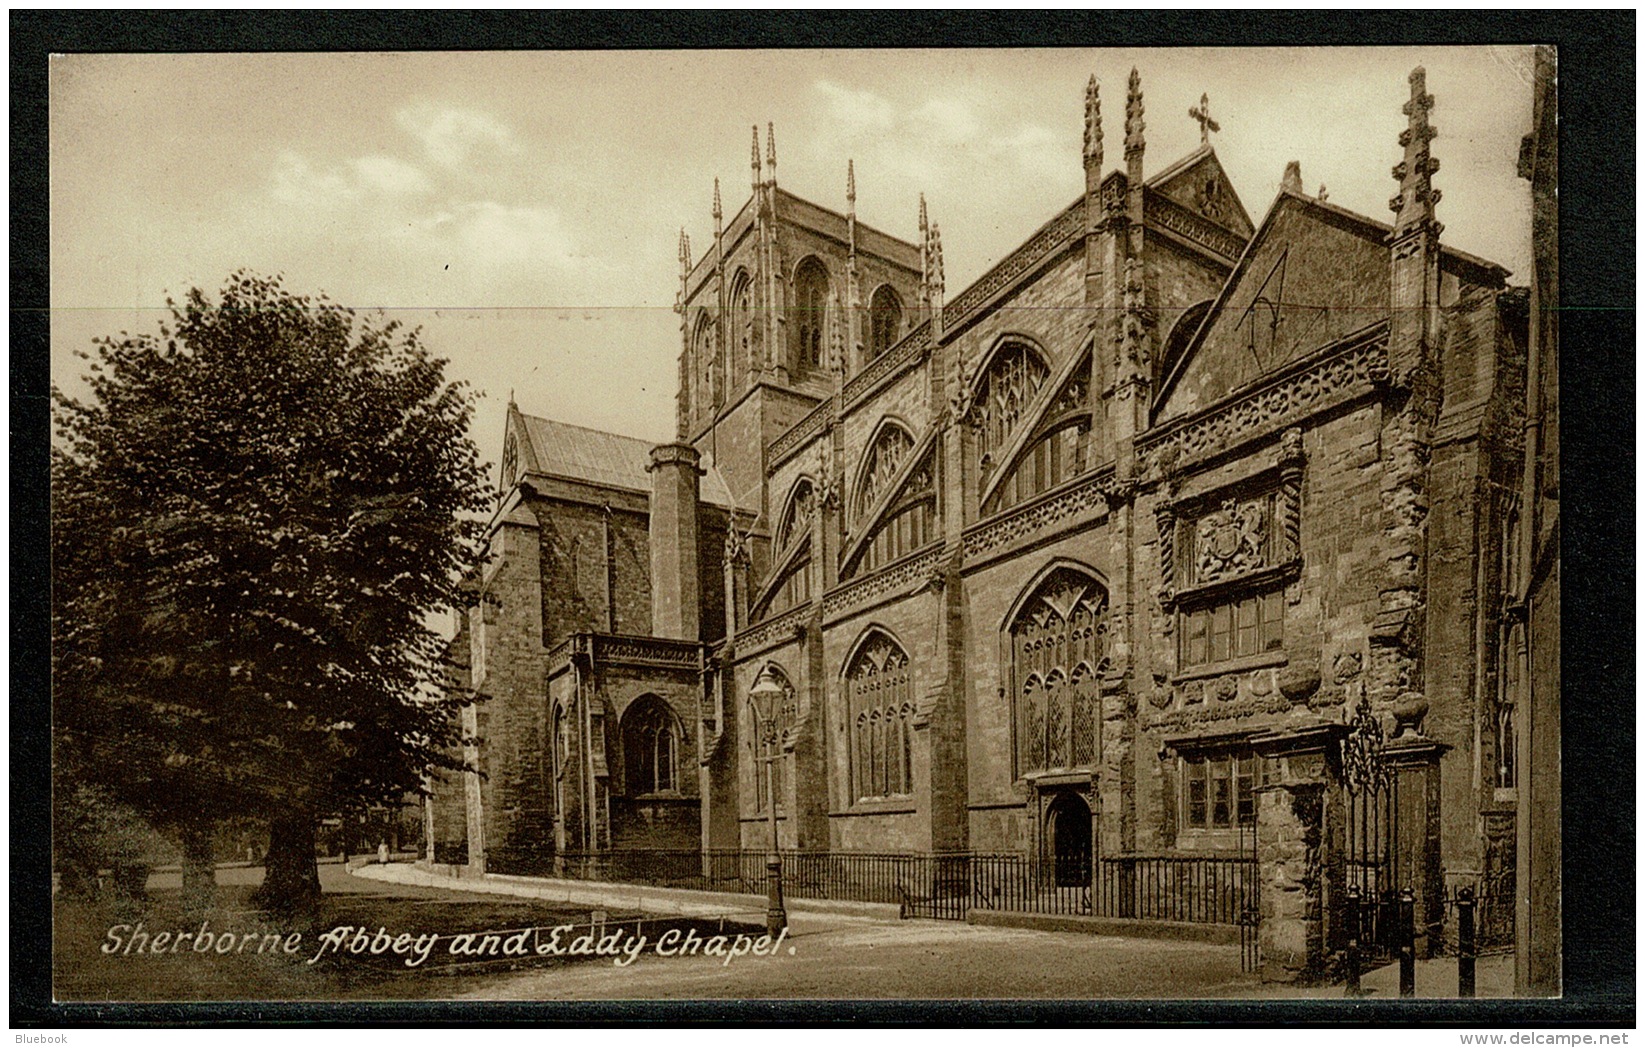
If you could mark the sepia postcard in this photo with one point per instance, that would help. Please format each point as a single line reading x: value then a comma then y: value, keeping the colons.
x: 1062, y: 524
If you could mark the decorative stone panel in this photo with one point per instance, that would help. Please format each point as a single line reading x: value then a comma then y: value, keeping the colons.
x: 1038, y: 516
x: 1325, y: 380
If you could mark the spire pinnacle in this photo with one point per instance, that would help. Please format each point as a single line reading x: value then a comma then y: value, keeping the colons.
x: 754, y: 160
x: 1292, y: 182
x: 717, y: 212
x: 685, y: 254
x: 851, y: 183
x: 1134, y: 124
x: 1202, y: 114
x: 924, y: 225
x: 1414, y: 204
x: 1093, y: 124
x: 771, y: 149
x: 936, y: 261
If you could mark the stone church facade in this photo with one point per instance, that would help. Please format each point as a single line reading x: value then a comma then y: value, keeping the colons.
x: 1126, y: 549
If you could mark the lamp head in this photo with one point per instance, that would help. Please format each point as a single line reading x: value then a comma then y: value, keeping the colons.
x: 766, y: 692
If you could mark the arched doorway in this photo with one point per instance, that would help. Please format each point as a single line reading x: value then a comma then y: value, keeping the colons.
x: 1068, y: 829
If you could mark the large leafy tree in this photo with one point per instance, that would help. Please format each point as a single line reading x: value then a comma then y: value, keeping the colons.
x: 255, y: 513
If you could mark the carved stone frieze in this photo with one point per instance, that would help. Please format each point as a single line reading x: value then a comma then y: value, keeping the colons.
x: 773, y: 631
x: 1285, y: 402
x: 1168, y: 214
x: 1036, y: 516
x: 799, y: 434
x: 871, y: 587
x: 1203, y: 713
x: 647, y: 650
x: 1059, y: 231
x: 1224, y: 689
x: 1299, y: 682
x: 913, y: 348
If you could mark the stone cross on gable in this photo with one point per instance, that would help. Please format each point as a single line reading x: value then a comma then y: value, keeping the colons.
x: 1202, y: 114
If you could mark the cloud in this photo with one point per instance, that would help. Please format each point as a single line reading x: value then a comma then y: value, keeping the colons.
x: 509, y: 237
x: 450, y: 136
x: 948, y: 118
x: 388, y: 175
x: 1039, y: 150
x: 295, y: 180
x: 859, y: 110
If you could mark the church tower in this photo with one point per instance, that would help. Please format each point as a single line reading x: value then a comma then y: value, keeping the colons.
x: 788, y: 303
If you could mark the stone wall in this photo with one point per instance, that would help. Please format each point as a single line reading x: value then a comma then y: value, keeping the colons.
x: 507, y: 671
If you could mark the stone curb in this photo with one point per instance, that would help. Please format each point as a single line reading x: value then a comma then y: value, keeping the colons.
x: 1179, y: 931
x: 646, y: 899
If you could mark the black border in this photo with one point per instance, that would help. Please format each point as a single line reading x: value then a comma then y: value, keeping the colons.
x: 1597, y: 89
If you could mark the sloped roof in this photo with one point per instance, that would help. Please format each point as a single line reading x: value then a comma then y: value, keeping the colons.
x: 1163, y: 182
x: 595, y: 456
x: 1311, y: 209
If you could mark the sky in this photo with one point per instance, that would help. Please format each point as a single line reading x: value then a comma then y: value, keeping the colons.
x: 524, y: 208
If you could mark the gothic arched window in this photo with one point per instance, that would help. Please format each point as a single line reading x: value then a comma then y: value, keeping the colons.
x: 908, y: 523
x: 884, y: 320
x: 651, y: 746
x: 1005, y: 393
x: 808, y: 315
x: 796, y: 519
x: 880, y: 464
x: 742, y: 327
x: 706, y: 354
x: 1057, y: 452
x: 880, y: 714
x: 1059, y: 649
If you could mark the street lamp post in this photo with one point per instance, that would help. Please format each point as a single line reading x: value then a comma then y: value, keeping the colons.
x: 766, y: 697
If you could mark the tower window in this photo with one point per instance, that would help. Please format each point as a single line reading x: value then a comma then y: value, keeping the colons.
x: 810, y: 312
x: 884, y: 321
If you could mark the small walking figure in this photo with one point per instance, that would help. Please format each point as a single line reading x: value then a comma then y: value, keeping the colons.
x: 382, y: 852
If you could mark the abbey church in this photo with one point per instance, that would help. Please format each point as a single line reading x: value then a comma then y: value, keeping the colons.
x: 1181, y: 536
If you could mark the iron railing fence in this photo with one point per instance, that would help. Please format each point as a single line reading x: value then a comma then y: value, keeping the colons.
x: 1199, y: 889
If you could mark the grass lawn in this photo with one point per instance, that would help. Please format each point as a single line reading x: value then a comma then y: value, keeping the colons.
x: 261, y: 969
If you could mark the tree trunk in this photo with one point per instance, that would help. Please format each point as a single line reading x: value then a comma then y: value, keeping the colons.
x: 291, y: 879
x: 199, y: 865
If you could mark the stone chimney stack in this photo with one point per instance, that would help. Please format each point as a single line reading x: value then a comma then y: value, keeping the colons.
x: 675, y: 584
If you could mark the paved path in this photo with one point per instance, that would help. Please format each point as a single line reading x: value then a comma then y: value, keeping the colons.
x: 831, y: 957
x: 861, y: 951
x: 854, y: 951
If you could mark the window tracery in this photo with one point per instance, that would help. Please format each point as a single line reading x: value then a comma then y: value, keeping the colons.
x: 742, y: 326
x: 651, y: 745
x: 908, y: 523
x: 1059, y: 645
x: 810, y: 312
x: 884, y: 321
x: 1008, y: 387
x: 796, y: 518
x: 880, y: 465
x: 880, y: 712
x: 1058, y: 452
x: 706, y: 354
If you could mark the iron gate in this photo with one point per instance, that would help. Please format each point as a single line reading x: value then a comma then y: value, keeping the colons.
x: 1372, y: 847
x: 1250, y: 891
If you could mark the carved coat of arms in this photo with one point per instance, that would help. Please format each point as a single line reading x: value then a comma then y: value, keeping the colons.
x: 1230, y: 541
